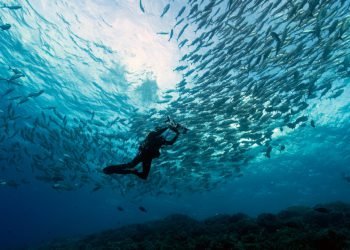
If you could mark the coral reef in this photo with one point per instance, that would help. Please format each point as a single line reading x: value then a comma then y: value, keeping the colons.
x: 325, y: 226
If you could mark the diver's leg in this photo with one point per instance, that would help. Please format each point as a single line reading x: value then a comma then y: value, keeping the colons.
x: 135, y: 161
x: 113, y: 169
x: 124, y: 171
x: 146, y: 167
x: 116, y: 169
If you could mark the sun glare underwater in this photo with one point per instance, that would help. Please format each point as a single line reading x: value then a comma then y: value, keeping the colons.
x: 262, y: 86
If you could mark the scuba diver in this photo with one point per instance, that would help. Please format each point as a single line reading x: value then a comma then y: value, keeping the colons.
x: 148, y: 150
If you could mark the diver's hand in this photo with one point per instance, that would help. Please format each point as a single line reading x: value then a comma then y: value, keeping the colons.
x: 174, y: 127
x: 173, y: 124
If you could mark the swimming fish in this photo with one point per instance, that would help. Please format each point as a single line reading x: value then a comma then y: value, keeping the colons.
x: 13, y: 7
x: 182, y: 43
x: 162, y: 33
x: 312, y: 123
x: 278, y: 41
x: 171, y: 34
x: 15, y: 77
x: 182, y: 31
x: 97, y: 187
x: 36, y: 94
x: 180, y: 68
x: 8, y: 91
x: 165, y: 10
x: 23, y: 100
x: 141, y: 7
x: 181, y: 12
x: 5, y: 26
x: 268, y: 151
x: 179, y: 22
x: 346, y: 177
x: 141, y: 208
x: 15, y: 71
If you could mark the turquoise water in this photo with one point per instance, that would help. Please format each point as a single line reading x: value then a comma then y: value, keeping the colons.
x: 83, y: 83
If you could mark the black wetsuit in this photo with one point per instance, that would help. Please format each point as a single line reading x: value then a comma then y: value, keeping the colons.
x: 148, y: 150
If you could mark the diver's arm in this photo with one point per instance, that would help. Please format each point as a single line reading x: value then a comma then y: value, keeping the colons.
x: 159, y: 131
x: 172, y: 141
x: 173, y: 128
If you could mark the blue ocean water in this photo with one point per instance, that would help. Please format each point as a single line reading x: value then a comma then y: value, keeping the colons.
x: 82, y: 83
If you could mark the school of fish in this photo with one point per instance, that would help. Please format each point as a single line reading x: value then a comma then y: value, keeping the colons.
x: 251, y: 68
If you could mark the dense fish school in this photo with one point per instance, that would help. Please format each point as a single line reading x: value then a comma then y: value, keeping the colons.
x: 252, y: 70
